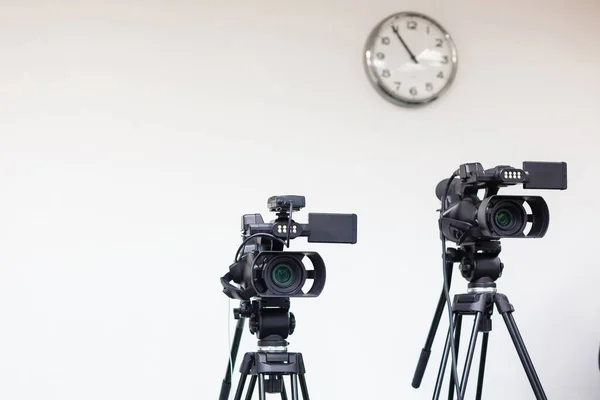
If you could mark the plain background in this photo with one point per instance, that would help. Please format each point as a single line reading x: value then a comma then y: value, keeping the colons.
x: 133, y: 136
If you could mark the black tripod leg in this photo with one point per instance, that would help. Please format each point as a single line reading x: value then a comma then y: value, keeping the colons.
x: 506, y: 309
x: 534, y: 381
x: 226, y: 385
x: 457, y: 330
x: 294, y: 379
x: 245, y: 368
x: 470, y: 353
x: 251, y: 387
x: 303, y: 386
x: 426, y: 351
x: 484, y: 344
x: 283, y: 392
x: 442, y: 370
x: 240, y: 388
x: 262, y: 394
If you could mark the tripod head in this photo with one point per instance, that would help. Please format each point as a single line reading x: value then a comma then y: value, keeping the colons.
x: 478, y: 263
x: 269, y: 319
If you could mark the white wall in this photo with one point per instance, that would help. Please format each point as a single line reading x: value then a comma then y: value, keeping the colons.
x: 134, y: 135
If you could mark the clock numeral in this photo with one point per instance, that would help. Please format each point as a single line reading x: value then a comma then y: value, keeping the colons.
x: 440, y: 75
x: 397, y: 85
x: 438, y: 42
x: 411, y: 24
x: 428, y: 28
x: 413, y: 91
x: 445, y: 60
x: 386, y: 73
x: 380, y: 56
x: 429, y: 87
x: 385, y: 40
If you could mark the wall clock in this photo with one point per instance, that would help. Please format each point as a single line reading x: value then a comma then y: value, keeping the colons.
x: 410, y: 59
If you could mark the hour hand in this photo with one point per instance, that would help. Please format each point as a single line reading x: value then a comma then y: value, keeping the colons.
x: 412, y: 56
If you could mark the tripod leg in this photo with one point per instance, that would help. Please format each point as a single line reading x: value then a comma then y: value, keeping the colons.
x: 470, y: 352
x: 484, y: 344
x: 294, y: 379
x: 251, y: 387
x: 426, y: 352
x: 515, y: 335
x: 303, y: 387
x: 506, y: 309
x: 283, y: 392
x: 442, y: 370
x: 457, y: 330
x: 240, y: 388
x: 262, y: 394
x: 226, y: 385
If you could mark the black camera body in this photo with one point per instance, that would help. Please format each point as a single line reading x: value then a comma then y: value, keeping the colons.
x: 468, y: 219
x: 262, y: 269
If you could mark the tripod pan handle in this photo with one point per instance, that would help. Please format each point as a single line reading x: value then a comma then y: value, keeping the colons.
x: 421, y: 365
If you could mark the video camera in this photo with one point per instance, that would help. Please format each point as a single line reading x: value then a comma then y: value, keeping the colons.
x: 467, y: 219
x: 264, y: 278
x: 262, y: 269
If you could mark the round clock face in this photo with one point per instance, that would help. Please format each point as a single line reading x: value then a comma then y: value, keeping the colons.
x: 410, y: 59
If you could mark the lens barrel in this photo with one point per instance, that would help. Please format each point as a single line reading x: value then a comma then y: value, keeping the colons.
x: 284, y: 274
x: 507, y: 218
x: 272, y: 274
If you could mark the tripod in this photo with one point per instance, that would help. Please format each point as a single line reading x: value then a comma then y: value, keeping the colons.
x: 272, y: 322
x: 480, y: 265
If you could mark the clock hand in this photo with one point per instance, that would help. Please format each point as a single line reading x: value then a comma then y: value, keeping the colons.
x: 412, y: 56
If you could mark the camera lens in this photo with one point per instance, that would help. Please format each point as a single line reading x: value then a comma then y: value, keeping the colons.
x: 504, y: 218
x: 283, y: 275
x: 508, y: 218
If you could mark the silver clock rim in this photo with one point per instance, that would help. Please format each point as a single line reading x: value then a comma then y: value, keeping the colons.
x: 376, y: 82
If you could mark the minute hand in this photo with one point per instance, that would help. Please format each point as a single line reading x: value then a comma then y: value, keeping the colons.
x: 412, y: 56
